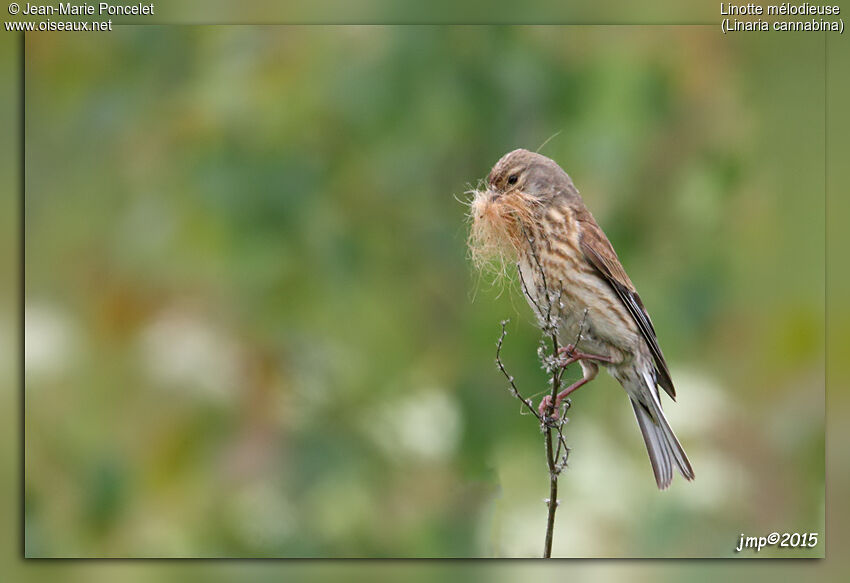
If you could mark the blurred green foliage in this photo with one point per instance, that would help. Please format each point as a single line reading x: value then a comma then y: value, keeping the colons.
x: 251, y: 329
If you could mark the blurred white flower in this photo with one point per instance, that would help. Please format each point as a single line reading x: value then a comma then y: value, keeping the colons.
x: 181, y: 350
x: 601, y: 474
x: 426, y: 424
x: 701, y: 404
x: 521, y: 529
x: 49, y: 340
x: 720, y: 484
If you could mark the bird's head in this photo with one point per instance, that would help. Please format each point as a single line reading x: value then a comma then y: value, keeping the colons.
x: 519, y: 187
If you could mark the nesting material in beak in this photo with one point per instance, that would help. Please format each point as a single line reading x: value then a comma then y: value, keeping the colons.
x: 498, y: 224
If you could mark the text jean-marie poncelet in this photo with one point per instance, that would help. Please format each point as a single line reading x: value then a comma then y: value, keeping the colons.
x: 86, y: 9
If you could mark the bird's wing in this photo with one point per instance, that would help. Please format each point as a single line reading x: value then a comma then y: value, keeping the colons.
x: 601, y: 255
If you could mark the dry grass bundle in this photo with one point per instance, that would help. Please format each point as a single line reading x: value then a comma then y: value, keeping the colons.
x: 501, y: 223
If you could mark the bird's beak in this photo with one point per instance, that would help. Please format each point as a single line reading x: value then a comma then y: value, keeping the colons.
x: 493, y: 196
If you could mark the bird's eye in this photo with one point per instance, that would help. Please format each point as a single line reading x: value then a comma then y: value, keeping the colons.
x: 512, y: 179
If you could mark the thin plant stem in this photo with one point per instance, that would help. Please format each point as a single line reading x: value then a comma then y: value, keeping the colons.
x: 557, y: 451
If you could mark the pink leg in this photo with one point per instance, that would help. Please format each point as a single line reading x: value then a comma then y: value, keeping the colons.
x: 589, y: 369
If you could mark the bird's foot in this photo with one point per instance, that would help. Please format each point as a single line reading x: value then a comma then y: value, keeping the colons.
x: 546, y: 405
x: 574, y: 355
x: 547, y: 410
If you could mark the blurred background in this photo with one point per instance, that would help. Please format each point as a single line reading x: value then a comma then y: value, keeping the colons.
x: 251, y: 328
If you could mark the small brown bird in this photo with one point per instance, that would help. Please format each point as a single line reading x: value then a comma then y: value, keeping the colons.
x: 531, y: 212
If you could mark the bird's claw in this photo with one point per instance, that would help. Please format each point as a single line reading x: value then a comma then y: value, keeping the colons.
x: 567, y: 350
x: 546, y: 406
x: 574, y: 355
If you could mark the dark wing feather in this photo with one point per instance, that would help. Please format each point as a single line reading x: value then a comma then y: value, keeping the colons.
x: 599, y: 252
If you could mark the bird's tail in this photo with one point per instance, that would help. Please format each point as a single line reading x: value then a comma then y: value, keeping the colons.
x: 664, y: 449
